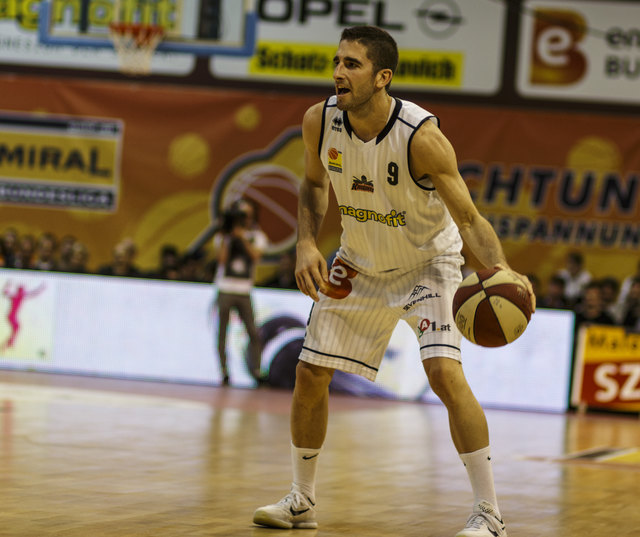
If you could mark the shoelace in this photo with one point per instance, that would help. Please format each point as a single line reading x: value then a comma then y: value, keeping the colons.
x: 477, y: 521
x: 293, y: 499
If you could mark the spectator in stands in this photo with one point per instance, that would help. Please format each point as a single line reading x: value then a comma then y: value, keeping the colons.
x: 45, y: 258
x: 9, y: 246
x: 285, y: 277
x: 25, y: 252
x: 555, y: 296
x: 65, y: 251
x: 122, y: 261
x: 168, y: 265
x: 193, y: 267
x: 630, y: 314
x: 591, y: 309
x: 626, y: 286
x: 610, y: 287
x: 575, y: 277
x: 77, y: 262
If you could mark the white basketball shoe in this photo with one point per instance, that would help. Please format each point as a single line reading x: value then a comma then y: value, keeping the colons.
x: 483, y: 522
x: 295, y: 510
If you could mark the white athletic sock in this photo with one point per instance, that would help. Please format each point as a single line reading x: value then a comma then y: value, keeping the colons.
x: 305, y: 464
x: 478, y: 464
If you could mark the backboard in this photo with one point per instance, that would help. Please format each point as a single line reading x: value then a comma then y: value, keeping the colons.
x: 200, y: 27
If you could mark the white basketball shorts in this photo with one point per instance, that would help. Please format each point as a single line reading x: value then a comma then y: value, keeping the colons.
x: 350, y: 327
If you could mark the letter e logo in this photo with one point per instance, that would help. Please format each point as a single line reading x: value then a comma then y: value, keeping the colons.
x: 555, y: 55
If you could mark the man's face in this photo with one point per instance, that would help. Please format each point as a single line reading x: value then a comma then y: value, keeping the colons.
x: 353, y: 75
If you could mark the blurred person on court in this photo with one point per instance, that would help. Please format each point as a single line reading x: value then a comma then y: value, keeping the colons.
x: 575, y: 277
x: 238, y: 248
x: 405, y: 211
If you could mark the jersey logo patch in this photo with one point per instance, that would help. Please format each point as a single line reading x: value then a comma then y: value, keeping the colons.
x: 336, y: 124
x: 362, y: 184
x: 335, y: 160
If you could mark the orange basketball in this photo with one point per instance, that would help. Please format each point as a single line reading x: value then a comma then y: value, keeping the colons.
x: 492, y: 307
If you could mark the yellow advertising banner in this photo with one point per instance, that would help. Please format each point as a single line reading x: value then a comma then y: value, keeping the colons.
x: 158, y: 164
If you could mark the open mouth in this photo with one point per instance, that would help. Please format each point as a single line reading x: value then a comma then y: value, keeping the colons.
x: 342, y: 91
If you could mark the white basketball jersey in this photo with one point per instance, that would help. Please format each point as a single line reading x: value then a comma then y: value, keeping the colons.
x: 390, y: 220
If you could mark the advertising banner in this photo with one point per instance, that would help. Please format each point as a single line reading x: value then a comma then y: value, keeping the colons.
x: 453, y: 45
x: 106, y: 161
x: 167, y: 331
x: 19, y: 43
x: 580, y: 50
x: 57, y: 161
x: 607, y: 369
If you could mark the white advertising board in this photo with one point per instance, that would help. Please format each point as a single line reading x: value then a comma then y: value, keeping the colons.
x: 450, y: 45
x: 580, y: 50
x: 166, y: 331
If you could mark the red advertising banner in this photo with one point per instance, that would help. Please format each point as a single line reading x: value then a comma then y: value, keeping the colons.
x: 607, y: 369
x: 107, y: 160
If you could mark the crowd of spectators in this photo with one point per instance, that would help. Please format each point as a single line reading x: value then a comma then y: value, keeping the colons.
x: 604, y: 301
x: 68, y: 254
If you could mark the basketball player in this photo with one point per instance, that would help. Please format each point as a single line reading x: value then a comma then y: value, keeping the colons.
x: 405, y: 210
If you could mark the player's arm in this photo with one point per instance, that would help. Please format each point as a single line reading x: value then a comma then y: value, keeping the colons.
x: 432, y: 154
x: 311, y: 267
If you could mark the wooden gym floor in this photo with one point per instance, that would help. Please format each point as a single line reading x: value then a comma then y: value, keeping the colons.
x: 84, y: 457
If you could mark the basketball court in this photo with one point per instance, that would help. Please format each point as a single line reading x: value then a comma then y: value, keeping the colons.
x: 86, y: 456
x: 82, y: 456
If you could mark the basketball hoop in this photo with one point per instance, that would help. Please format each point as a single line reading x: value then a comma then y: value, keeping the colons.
x: 135, y: 44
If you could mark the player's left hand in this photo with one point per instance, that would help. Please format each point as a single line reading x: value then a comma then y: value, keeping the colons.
x: 525, y: 281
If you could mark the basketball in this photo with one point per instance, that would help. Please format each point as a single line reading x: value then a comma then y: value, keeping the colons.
x: 491, y: 307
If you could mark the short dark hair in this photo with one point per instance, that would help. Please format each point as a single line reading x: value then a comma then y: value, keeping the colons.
x: 382, y: 49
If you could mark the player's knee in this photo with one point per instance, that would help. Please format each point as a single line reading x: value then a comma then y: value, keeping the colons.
x: 446, y: 379
x: 312, y: 378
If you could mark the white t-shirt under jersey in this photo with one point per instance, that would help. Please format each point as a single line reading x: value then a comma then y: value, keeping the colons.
x: 389, y: 220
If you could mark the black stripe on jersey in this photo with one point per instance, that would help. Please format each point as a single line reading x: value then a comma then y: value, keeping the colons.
x: 324, y: 116
x: 392, y: 120
x: 440, y: 345
x: 428, y: 118
x: 387, y: 127
x: 341, y: 358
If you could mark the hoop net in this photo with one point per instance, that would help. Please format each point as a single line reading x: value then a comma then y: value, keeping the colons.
x: 135, y: 44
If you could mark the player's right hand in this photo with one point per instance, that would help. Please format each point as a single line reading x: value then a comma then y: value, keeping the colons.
x: 311, y: 270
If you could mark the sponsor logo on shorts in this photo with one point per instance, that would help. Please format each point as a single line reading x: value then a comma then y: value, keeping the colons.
x: 419, y: 294
x: 340, y: 276
x: 362, y: 184
x: 391, y: 219
x: 426, y: 325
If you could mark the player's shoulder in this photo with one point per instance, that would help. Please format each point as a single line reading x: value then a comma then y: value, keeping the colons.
x: 415, y: 115
x: 315, y: 112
